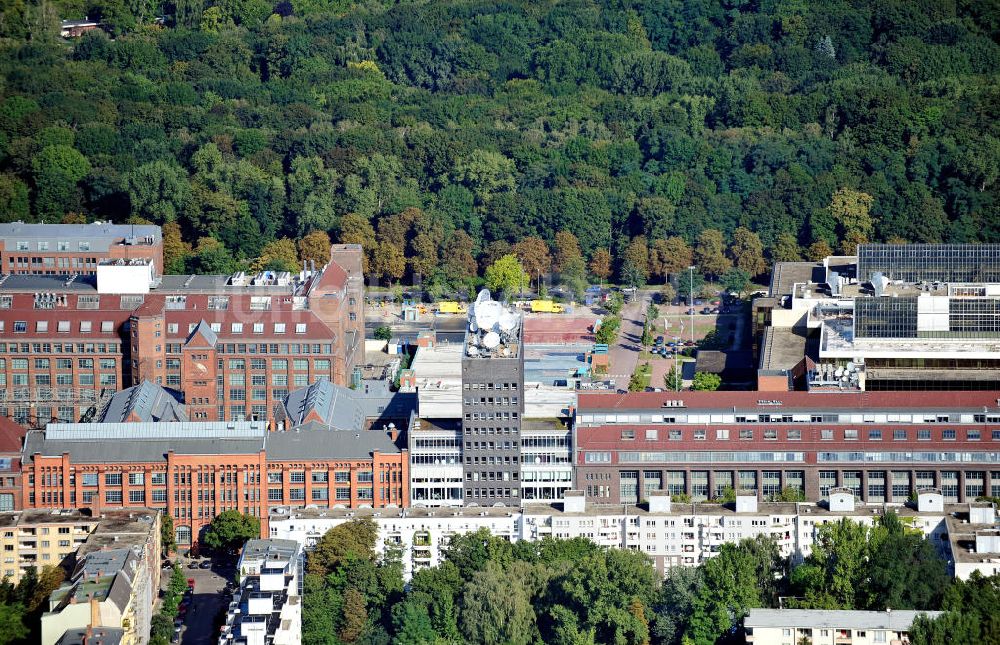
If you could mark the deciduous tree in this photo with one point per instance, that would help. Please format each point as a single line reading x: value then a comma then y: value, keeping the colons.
x: 748, y: 252
x: 710, y: 253
x: 315, y: 246
x: 506, y: 275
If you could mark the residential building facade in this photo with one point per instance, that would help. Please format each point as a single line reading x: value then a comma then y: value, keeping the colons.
x: 267, y: 606
x: 830, y: 627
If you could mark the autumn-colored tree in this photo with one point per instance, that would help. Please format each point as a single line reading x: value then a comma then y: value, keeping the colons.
x: 175, y: 249
x: 493, y: 252
x: 398, y: 228
x: 389, y: 262
x: 600, y: 264
x: 786, y: 249
x: 355, y: 616
x: 315, y: 247
x: 533, y: 253
x: 428, y: 234
x: 637, y: 258
x: 710, y: 253
x: 852, y: 211
x: 459, y: 264
x: 670, y: 256
x: 566, y: 248
x: 819, y: 250
x: 278, y: 255
x: 748, y: 252
x: 356, y: 229
x: 849, y: 245
x: 74, y: 218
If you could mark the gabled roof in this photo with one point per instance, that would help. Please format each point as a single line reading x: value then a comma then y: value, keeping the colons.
x: 326, y: 404
x: 143, y: 403
x: 202, y: 336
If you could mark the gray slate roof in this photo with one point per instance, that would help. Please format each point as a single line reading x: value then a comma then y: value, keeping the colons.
x: 100, y: 236
x: 341, y: 408
x: 138, y: 450
x: 318, y: 442
x: 92, y: 636
x: 205, y: 330
x: 896, y: 620
x: 149, y: 401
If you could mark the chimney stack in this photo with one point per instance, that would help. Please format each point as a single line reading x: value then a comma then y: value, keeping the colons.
x: 95, y: 612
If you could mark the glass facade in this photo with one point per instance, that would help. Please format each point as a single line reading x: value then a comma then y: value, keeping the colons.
x: 885, y: 318
x: 930, y: 262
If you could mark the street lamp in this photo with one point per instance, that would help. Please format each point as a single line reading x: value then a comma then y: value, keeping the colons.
x: 691, y: 299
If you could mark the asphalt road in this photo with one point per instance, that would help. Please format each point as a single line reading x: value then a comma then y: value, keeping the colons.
x: 208, y: 601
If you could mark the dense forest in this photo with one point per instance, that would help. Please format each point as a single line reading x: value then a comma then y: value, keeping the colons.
x: 573, y: 592
x: 440, y: 134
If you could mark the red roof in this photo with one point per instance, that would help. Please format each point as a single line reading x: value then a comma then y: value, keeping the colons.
x: 333, y: 278
x: 777, y: 401
x: 11, y: 436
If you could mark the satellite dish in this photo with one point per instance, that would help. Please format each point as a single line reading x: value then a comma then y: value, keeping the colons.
x: 850, y: 366
x: 839, y: 372
x: 507, y: 321
x: 491, y: 340
x: 488, y: 314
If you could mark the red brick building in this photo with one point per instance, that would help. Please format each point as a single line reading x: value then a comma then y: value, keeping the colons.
x: 234, y: 345
x: 884, y: 446
x: 196, y: 470
x: 67, y: 249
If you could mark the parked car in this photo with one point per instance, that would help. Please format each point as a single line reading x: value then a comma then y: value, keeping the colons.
x: 659, y: 340
x: 207, y: 564
x: 193, y: 565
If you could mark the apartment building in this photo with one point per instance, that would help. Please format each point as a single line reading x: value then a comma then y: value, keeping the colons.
x: 234, y: 345
x: 114, y: 580
x: 671, y: 534
x: 830, y: 627
x: 103, y: 591
x: 883, y: 446
x: 892, y: 317
x: 419, y: 534
x: 267, y: 607
x: 68, y: 249
x: 37, y: 538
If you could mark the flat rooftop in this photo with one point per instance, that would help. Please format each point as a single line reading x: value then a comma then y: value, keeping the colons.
x: 897, y: 620
x: 399, y: 513
x: 784, y: 347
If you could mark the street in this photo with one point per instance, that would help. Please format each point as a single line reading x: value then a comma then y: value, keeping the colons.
x: 209, y: 599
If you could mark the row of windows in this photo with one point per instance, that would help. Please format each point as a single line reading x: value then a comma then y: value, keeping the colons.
x: 795, y: 434
x: 61, y: 379
x: 60, y: 363
x: 262, y: 348
x: 237, y: 327
x: 62, y: 326
x: 61, y: 245
x: 58, y: 348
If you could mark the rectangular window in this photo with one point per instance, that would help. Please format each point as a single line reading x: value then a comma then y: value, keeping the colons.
x: 113, y: 496
x: 899, y: 435
x: 112, y: 479
x: 948, y: 435
x: 136, y: 479
x: 924, y: 435
x: 874, y: 435
x: 850, y: 435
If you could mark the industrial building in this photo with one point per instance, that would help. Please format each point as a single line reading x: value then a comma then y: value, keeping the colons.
x: 77, y: 249
x: 329, y: 454
x: 234, y: 346
x: 884, y: 446
x: 893, y: 317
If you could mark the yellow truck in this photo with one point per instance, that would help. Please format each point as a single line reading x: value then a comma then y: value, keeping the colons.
x: 452, y: 307
x: 546, y: 306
